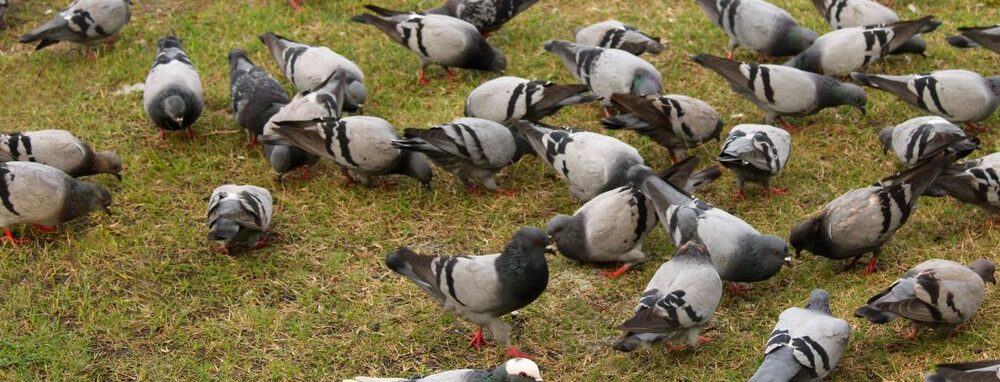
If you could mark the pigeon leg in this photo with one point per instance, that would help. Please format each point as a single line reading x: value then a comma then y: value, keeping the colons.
x: 296, y: 4
x: 911, y: 333
x: 253, y: 141
x: 975, y: 127
x: 618, y: 272
x: 673, y: 348
x: 110, y: 42
x: 958, y: 330
x: 478, y: 341
x: 192, y: 135
x: 729, y: 54
x: 788, y: 127
x: 305, y: 172
x: 851, y: 265
x: 741, y: 193
x: 505, y: 192
x: 9, y: 237
x: 673, y: 157
x: 163, y: 134
x: 266, y: 241
x: 737, y: 289
x: 90, y: 54
x: 472, y: 188
x: 871, y: 265
x: 347, y: 176
x: 606, y: 111
x: 43, y: 228
x: 421, y: 79
x: 512, y: 352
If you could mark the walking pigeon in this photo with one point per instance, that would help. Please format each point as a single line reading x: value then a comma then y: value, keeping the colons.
x: 674, y: 121
x: 849, y: 49
x: 614, y: 34
x: 514, y: 370
x: 59, y: 149
x: 806, y: 344
x: 86, y: 22
x: 976, y: 182
x: 935, y: 293
x: 486, y: 15
x: 239, y: 215
x: 758, y: 25
x: 607, y: 71
x: 756, y: 153
x: 921, y: 138
x: 480, y: 289
x: 437, y: 39
x: 840, y: 14
x: 986, y: 37
x: 678, y: 301
x: 33, y: 193
x: 784, y: 91
x: 308, y: 67
x: 982, y: 371
x: 508, y: 99
x: 173, y: 97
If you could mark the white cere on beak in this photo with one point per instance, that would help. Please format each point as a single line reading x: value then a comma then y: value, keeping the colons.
x: 523, y: 367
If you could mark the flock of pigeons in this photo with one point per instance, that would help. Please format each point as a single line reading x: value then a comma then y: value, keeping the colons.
x: 624, y: 198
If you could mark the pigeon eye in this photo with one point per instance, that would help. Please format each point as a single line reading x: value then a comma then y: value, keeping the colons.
x: 523, y: 374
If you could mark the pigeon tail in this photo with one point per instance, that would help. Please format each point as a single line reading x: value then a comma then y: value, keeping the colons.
x: 779, y: 366
x: 961, y: 42
x: 874, y: 315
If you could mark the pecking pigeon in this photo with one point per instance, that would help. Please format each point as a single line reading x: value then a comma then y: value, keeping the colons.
x: 514, y: 370
x: 921, y: 138
x: 173, y: 97
x: 309, y: 67
x: 607, y: 71
x: 674, y: 121
x: 806, y: 344
x: 756, y: 153
x: 781, y: 90
x: 976, y: 182
x: 986, y: 37
x: 678, y: 301
x: 480, y: 289
x: 33, y: 193
x: 239, y: 215
x: 508, y: 99
x: 840, y: 14
x: 486, y: 15
x: 982, y: 371
x: 849, y: 49
x: 437, y: 39
x: 59, y: 149
x: 935, y: 293
x: 614, y: 34
x: 86, y: 22
x: 758, y: 25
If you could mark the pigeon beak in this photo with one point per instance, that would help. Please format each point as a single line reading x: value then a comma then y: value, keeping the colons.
x: 788, y: 262
x: 361, y: 109
x: 551, y: 248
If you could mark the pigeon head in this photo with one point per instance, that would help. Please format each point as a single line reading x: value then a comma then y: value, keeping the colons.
x: 415, y: 165
x: 168, y: 42
x: 88, y: 197
x: 646, y: 83
x: 797, y: 39
x: 275, y: 45
x: 841, y: 93
x: 107, y: 162
x: 772, y: 251
x: 994, y: 82
x: 985, y: 268
x: 175, y: 108
x: 238, y: 59
x: 567, y: 233
x: 557, y: 224
x: 693, y: 250
x: 355, y: 96
x: 638, y: 174
x: 819, y: 300
x: 885, y: 136
x: 520, y: 370
x: 528, y: 240
x: 805, y: 235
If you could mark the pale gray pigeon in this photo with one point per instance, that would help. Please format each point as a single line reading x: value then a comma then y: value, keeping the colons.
x: 614, y: 34
x: 849, y: 49
x: 976, y: 182
x: 86, y: 22
x: 514, y: 370
x: 981, y: 371
x: 172, y: 97
x: 987, y: 37
x: 321, y: 103
x: 607, y: 71
x: 674, y: 121
x: 756, y: 153
x: 309, y: 67
x: 480, y: 289
x: 508, y: 99
x: 59, y: 149
x: 758, y: 25
x: 240, y: 216
x: 921, y: 138
x: 956, y: 95
x: 841, y: 14
x: 486, y: 15
x: 806, y: 344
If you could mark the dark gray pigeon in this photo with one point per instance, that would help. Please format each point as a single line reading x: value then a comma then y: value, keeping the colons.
x: 172, y: 97
x: 239, y: 215
x: 59, y: 149
x: 863, y: 220
x: 849, y: 49
x: 976, y: 182
x: 921, y: 138
x: 514, y: 370
x: 935, y: 293
x: 309, y: 67
x: 508, y: 99
x: 756, y: 153
x: 480, y: 289
x: 486, y: 15
x: 33, y: 193
x: 592, y: 163
x: 437, y: 39
x: 840, y: 14
x: 956, y: 95
x: 614, y: 34
x: 758, y: 25
x: 784, y: 91
x: 981, y: 371
x: 679, y: 300
x: 806, y: 344
x: 607, y: 71
x: 986, y: 37
x: 674, y: 121
x: 86, y: 22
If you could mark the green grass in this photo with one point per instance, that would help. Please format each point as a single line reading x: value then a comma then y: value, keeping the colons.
x: 141, y: 295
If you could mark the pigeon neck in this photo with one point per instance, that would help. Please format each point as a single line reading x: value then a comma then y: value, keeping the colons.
x: 524, y: 271
x: 80, y: 200
x: 571, y: 239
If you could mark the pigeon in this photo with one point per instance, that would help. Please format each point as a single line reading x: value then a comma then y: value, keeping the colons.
x: 4, y: 4
x: 758, y: 25
x: 956, y: 95
x: 614, y: 34
x: 806, y: 344
x: 982, y: 371
x: 322, y: 102
x: 86, y: 22
x: 240, y: 216
x: 782, y: 90
x: 514, y: 370
x: 607, y: 71
x: 508, y: 99
x: 986, y: 37
x: 863, y: 220
x: 473, y: 149
x: 674, y: 121
x: 840, y: 14
x: 679, y: 300
x: 976, y: 182
x: 480, y: 289
x: 756, y: 153
x: 592, y: 163
x: 173, y: 98
x: 921, y: 138
x: 849, y: 49
x: 59, y: 149
x: 437, y: 39
x: 486, y: 15
x: 308, y: 68
x: 935, y: 293
x: 34, y: 193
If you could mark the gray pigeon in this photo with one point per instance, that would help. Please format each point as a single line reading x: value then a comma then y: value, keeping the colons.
x: 806, y: 344
x: 679, y: 300
x: 849, y: 49
x: 86, y: 22
x: 4, y: 4
x: 239, y: 215
x: 33, y: 193
x: 480, y: 289
x: 473, y: 149
x: 956, y: 95
x: 607, y: 71
x: 674, y: 121
x: 921, y: 138
x: 614, y: 34
x: 976, y: 182
x: 309, y: 67
x: 784, y: 91
x: 986, y: 37
x: 758, y: 25
x: 935, y: 293
x: 756, y: 153
x: 863, y: 220
x: 323, y: 102
x: 437, y: 39
x: 59, y: 149
x: 592, y: 163
x: 840, y: 14
x: 982, y: 371
x: 508, y: 99
x: 514, y: 370
x: 173, y: 98
x: 486, y: 15
x: 740, y: 253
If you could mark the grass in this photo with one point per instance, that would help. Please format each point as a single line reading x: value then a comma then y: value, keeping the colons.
x: 141, y: 295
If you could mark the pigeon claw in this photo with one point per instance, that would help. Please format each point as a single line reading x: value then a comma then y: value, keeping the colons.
x: 739, y: 196
x: 505, y: 192
x: 871, y: 268
x: 958, y: 330
x: 512, y: 352
x: 472, y: 189
x: 449, y: 73
x: 9, y: 237
x: 306, y: 172
x: 43, y: 228
x: 674, y: 348
x: 617, y: 272
x: 192, y: 135
x: 478, y: 341
x: 253, y: 141
x: 778, y: 191
x: 737, y: 289
x: 704, y: 340
x: 911, y: 333
x: 295, y: 4
x: 606, y: 111
x: 423, y: 81
x: 788, y: 127
x: 729, y: 55
x: 975, y: 127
